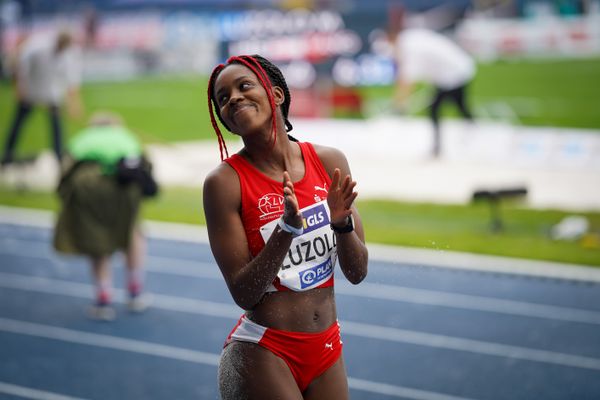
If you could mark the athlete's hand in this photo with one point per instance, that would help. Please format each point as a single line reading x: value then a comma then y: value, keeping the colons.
x: 340, y: 197
x: 291, y: 213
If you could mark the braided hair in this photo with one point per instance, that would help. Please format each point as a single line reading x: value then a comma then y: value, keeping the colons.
x: 269, y: 75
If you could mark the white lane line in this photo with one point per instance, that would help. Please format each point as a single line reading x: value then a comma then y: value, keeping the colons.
x: 85, y: 291
x: 108, y: 342
x: 456, y: 260
x: 165, y: 265
x: 224, y: 310
x: 398, y: 391
x: 468, y: 345
x: 204, y: 270
x: 394, y: 254
x: 469, y: 302
x: 35, y: 394
x: 183, y: 267
x: 182, y: 354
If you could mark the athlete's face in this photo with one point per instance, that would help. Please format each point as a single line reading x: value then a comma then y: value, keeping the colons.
x: 242, y: 100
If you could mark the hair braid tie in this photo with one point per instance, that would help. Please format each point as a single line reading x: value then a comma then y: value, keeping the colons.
x: 271, y: 98
x: 222, y: 145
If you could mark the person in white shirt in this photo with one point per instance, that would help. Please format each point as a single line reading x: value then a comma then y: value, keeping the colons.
x: 427, y: 56
x: 48, y: 72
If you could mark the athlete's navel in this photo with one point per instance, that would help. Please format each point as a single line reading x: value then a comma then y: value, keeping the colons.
x: 316, y: 317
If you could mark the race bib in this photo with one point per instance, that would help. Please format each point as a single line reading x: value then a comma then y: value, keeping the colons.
x: 312, y: 256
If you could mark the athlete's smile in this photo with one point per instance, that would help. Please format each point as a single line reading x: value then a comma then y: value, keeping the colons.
x: 238, y: 108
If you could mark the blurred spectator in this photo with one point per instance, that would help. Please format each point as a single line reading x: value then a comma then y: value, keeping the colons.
x: 47, y: 71
x: 90, y: 26
x: 429, y: 57
x: 105, y: 179
x: 11, y: 59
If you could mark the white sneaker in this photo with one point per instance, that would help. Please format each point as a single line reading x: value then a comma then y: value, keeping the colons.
x: 102, y: 312
x: 139, y: 303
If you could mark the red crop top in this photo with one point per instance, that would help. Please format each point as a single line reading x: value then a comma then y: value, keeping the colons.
x: 312, y: 256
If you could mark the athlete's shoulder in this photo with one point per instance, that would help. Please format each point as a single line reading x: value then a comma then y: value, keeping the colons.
x: 328, y: 152
x: 222, y: 178
x: 331, y: 157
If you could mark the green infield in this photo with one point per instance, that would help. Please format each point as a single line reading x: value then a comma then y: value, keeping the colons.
x: 542, y: 93
x: 171, y: 109
x: 466, y: 228
x: 157, y: 109
x: 168, y: 109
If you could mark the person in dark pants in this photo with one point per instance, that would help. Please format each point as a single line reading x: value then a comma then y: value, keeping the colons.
x: 426, y: 56
x: 22, y: 112
x: 47, y: 73
x: 457, y: 96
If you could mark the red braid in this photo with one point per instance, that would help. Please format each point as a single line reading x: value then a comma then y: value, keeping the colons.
x: 265, y: 81
x: 213, y: 121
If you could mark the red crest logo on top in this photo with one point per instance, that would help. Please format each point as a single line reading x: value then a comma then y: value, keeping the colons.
x: 271, y: 204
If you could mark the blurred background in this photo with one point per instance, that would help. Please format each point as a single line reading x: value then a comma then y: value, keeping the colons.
x: 535, y: 100
x: 483, y: 271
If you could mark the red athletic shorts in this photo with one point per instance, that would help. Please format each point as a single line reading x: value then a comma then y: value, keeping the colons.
x: 307, y: 355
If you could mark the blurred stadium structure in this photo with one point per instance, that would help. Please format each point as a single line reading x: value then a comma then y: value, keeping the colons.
x: 328, y: 48
x: 308, y: 38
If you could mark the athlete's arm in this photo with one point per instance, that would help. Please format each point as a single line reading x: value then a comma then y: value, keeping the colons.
x: 352, y: 251
x: 247, y: 278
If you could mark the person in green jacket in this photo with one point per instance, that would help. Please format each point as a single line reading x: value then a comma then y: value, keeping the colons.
x: 99, y: 211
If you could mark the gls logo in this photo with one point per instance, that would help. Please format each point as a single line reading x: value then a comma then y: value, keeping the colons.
x: 316, y: 274
x: 315, y: 218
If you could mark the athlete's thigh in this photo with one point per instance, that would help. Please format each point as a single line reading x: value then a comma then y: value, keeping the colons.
x: 248, y: 371
x: 332, y: 384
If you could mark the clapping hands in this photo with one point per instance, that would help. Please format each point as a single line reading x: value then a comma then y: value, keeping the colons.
x: 291, y: 214
x: 340, y: 197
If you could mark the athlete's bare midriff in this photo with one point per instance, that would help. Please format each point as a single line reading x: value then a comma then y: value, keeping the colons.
x: 309, y: 311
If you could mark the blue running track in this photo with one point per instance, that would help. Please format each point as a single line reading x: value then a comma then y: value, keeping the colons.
x: 409, y: 331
